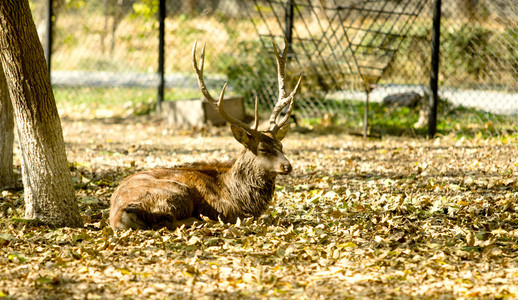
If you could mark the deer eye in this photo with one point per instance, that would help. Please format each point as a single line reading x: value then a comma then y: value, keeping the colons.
x: 262, y: 150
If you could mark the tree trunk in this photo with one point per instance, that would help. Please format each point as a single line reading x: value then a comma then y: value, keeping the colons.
x: 7, y: 179
x: 48, y: 189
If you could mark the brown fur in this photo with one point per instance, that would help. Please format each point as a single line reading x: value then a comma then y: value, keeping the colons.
x: 240, y: 188
x: 169, y: 197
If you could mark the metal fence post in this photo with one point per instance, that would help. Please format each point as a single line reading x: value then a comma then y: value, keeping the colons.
x: 434, y: 71
x: 288, y: 30
x: 48, y: 44
x: 161, y: 51
x: 366, y: 116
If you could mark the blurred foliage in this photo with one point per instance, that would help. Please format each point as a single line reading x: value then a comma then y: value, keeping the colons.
x: 89, y: 103
x: 458, y: 121
x: 509, y: 42
x: 120, y: 36
x: 251, y: 71
x: 473, y: 55
x: 76, y: 4
x: 466, y: 52
x: 146, y: 8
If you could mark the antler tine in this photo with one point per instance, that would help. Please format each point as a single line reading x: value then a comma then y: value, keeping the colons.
x: 283, y: 101
x: 290, y: 100
x: 256, y: 115
x: 216, y: 104
x: 281, y: 67
x: 199, y: 72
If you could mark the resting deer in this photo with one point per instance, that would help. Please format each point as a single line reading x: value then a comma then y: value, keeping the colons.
x: 240, y: 188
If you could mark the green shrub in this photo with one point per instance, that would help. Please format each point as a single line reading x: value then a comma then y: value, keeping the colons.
x: 251, y: 72
x: 466, y: 53
x: 507, y: 44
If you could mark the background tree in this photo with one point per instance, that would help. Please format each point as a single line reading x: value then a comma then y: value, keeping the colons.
x: 48, y: 189
x: 6, y: 135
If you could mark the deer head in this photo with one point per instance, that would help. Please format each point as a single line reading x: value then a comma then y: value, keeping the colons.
x: 266, y: 145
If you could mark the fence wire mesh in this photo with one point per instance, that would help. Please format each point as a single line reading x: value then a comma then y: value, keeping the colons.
x: 104, y: 57
x: 479, y: 70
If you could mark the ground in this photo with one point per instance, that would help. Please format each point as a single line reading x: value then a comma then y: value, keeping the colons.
x: 390, y: 218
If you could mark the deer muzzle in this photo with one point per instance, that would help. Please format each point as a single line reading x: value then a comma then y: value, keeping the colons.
x: 285, y: 168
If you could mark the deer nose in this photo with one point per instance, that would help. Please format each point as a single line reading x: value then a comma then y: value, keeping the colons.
x: 286, y: 168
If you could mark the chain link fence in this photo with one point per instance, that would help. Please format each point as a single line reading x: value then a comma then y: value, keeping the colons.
x: 479, y: 69
x: 104, y: 58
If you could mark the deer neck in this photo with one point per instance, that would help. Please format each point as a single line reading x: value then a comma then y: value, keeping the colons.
x: 249, y: 185
x: 246, y: 170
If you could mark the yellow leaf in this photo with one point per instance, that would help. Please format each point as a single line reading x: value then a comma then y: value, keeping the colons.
x: 185, y: 273
x: 124, y: 271
x: 347, y: 245
x: 462, y: 202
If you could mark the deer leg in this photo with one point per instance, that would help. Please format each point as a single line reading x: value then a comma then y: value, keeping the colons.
x: 133, y: 217
x: 136, y: 217
x: 169, y: 207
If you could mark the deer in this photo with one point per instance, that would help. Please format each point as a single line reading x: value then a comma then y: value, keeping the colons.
x: 242, y: 187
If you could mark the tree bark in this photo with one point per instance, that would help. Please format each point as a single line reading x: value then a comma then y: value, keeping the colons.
x: 48, y: 188
x: 7, y: 178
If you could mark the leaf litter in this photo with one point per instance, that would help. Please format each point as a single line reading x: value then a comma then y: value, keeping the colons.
x: 391, y: 218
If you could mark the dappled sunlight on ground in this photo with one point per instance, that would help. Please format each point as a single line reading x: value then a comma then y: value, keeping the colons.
x: 395, y: 217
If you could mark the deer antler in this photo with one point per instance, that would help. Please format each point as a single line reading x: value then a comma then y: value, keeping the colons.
x: 218, y: 104
x: 283, y: 100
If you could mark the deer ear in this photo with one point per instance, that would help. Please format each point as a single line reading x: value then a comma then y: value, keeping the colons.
x: 241, y: 135
x: 281, y: 133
